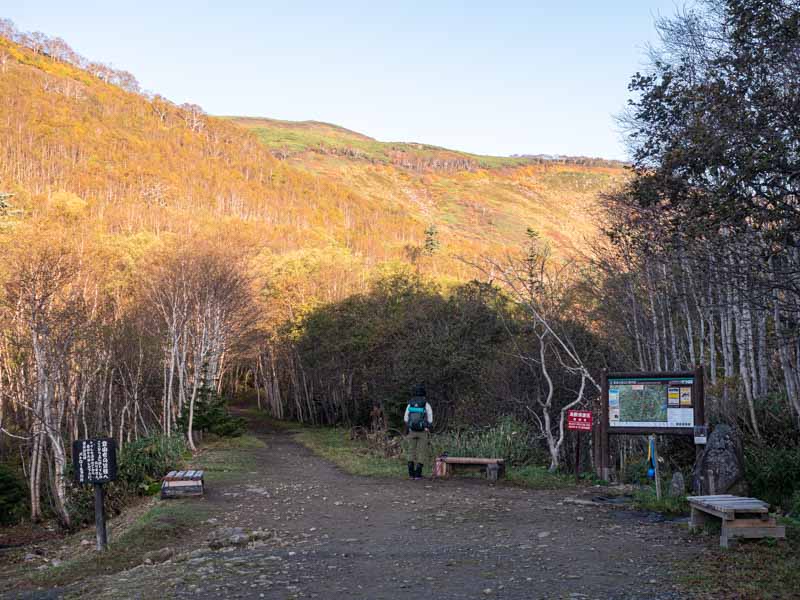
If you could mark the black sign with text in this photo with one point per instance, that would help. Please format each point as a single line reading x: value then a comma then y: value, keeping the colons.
x: 95, y: 461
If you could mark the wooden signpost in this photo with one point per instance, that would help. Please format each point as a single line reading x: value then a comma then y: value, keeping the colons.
x: 662, y: 403
x: 95, y: 462
x: 579, y: 420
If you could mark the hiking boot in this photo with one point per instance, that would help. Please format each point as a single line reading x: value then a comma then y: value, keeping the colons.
x: 411, y: 472
x: 418, y: 471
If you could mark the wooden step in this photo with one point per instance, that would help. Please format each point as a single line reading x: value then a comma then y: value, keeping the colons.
x: 463, y: 460
x: 775, y: 531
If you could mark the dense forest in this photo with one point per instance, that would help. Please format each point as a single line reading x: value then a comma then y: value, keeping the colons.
x: 155, y: 259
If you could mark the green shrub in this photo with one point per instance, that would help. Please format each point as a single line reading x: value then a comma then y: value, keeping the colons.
x: 148, y: 459
x: 636, y: 472
x: 539, y: 478
x: 13, y: 495
x: 509, y: 439
x: 211, y: 415
x: 645, y: 499
x: 794, y: 505
x: 773, y: 473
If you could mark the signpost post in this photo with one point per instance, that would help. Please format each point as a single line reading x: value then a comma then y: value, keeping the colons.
x: 95, y: 462
x: 578, y: 420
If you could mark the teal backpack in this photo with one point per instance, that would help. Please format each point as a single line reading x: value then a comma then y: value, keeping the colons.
x: 417, y: 418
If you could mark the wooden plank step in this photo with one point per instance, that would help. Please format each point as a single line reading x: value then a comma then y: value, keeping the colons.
x: 462, y: 460
x: 766, y: 522
x: 712, y: 496
x: 731, y: 503
x: 735, y: 499
x: 707, y: 498
x: 778, y: 531
x: 193, y: 475
x: 182, y: 483
x: 741, y: 507
x: 168, y: 493
x: 724, y: 498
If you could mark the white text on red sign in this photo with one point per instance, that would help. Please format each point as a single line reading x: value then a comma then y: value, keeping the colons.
x: 580, y: 420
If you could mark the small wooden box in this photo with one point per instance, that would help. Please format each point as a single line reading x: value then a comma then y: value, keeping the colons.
x: 180, y: 484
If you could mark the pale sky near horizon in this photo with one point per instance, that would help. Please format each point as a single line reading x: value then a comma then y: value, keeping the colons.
x: 504, y: 77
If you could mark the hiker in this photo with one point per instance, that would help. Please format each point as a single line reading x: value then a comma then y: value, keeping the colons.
x: 419, y: 420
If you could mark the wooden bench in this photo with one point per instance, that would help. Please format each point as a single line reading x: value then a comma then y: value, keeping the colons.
x: 741, y: 517
x: 494, y: 468
x: 179, y: 484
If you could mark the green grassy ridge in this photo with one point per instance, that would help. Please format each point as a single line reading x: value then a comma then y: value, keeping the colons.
x: 330, y: 128
x: 302, y: 136
x: 483, y: 204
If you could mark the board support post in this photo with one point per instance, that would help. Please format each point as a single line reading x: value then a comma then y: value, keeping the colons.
x: 577, y: 456
x: 100, y: 517
x: 699, y: 407
x: 605, y: 450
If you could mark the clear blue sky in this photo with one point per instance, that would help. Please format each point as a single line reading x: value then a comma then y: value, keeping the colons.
x: 497, y: 77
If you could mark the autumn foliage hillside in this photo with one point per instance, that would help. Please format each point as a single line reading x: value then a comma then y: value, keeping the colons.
x: 479, y: 203
x: 143, y: 164
x: 147, y: 165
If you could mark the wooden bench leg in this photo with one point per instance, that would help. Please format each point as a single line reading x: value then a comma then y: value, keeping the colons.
x: 492, y: 471
x: 698, y: 520
x: 726, y: 538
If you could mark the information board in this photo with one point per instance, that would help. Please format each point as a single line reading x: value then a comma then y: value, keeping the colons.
x: 94, y: 461
x: 651, y: 402
x: 662, y: 403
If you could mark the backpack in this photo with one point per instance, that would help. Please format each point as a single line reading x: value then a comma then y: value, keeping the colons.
x: 417, y: 419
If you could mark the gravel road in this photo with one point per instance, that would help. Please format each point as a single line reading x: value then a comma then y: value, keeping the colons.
x: 298, y: 527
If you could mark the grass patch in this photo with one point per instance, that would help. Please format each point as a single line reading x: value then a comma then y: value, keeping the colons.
x: 223, y: 464
x: 509, y: 439
x: 751, y: 570
x: 353, y: 456
x: 538, y: 478
x: 645, y: 499
x: 243, y: 442
x: 165, y: 525
x: 260, y: 419
x: 356, y: 458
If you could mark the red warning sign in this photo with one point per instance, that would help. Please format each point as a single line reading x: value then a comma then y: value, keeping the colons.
x: 580, y: 420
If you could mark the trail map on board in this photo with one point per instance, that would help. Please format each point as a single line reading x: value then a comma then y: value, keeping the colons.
x: 650, y: 402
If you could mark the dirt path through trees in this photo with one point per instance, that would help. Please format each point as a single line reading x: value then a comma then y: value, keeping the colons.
x: 340, y: 536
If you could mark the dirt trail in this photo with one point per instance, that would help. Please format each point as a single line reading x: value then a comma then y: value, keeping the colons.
x: 340, y: 536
